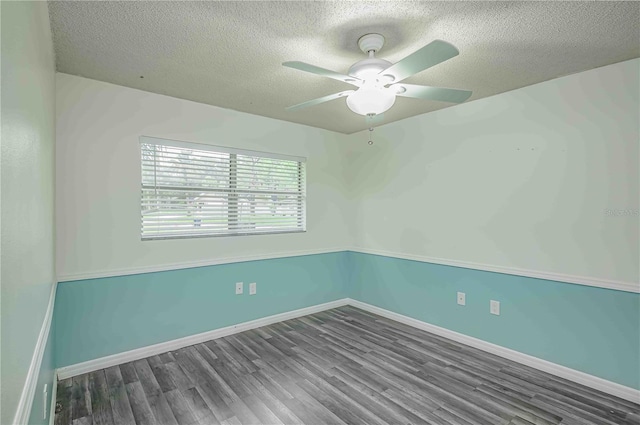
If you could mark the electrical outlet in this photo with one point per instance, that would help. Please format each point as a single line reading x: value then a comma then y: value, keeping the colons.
x: 239, y: 289
x: 462, y: 299
x: 252, y: 288
x: 45, y: 396
x: 495, y: 307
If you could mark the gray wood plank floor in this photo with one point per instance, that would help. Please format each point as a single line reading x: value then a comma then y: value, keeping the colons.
x: 342, y: 366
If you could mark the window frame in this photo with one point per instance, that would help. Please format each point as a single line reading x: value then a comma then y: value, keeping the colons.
x: 230, y: 190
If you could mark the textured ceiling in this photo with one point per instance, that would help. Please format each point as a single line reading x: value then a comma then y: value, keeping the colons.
x: 229, y: 54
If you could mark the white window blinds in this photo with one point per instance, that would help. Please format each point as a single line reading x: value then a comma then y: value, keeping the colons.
x: 193, y: 190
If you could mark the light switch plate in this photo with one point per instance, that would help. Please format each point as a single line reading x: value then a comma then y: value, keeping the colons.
x: 252, y: 288
x: 462, y: 298
x: 239, y: 288
x: 495, y: 307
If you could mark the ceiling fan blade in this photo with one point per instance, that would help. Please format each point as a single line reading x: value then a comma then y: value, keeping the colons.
x: 319, y: 100
x: 431, y: 93
x: 322, y: 72
x: 432, y: 54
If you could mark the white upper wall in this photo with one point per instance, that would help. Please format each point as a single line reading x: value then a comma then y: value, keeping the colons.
x: 28, y: 135
x: 543, y: 178
x: 98, y: 178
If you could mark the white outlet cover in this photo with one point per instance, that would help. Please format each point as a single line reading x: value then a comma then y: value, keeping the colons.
x: 495, y: 307
x: 462, y: 298
x: 252, y: 288
x: 239, y: 288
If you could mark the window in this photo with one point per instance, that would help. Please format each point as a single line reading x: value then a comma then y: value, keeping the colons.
x: 192, y: 190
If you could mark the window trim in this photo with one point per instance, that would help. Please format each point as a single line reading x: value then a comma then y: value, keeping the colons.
x: 148, y: 140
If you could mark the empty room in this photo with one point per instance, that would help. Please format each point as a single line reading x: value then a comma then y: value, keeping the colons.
x: 320, y: 212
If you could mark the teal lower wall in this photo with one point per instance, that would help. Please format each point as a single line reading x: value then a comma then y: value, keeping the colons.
x: 593, y: 330
x: 45, y: 376
x: 98, y: 317
x: 589, y: 329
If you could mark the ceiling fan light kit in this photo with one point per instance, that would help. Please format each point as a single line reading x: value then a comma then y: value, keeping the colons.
x: 377, y: 79
x: 371, y: 100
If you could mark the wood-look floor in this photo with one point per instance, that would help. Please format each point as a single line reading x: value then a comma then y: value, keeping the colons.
x: 342, y: 366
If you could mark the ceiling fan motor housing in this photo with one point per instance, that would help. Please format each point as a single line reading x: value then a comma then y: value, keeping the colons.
x: 368, y: 68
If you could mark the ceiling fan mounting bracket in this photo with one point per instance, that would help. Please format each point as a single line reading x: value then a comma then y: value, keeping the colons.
x: 371, y: 43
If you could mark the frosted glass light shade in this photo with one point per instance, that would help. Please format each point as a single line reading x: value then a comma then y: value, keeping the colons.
x: 369, y: 100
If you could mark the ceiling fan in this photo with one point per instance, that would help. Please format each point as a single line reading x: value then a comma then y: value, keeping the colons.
x: 378, y: 81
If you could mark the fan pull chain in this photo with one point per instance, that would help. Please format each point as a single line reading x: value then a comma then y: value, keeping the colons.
x: 370, y: 135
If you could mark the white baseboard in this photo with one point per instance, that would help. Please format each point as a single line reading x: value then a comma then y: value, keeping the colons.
x: 163, y: 347
x: 591, y: 381
x: 54, y: 394
x: 29, y: 390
